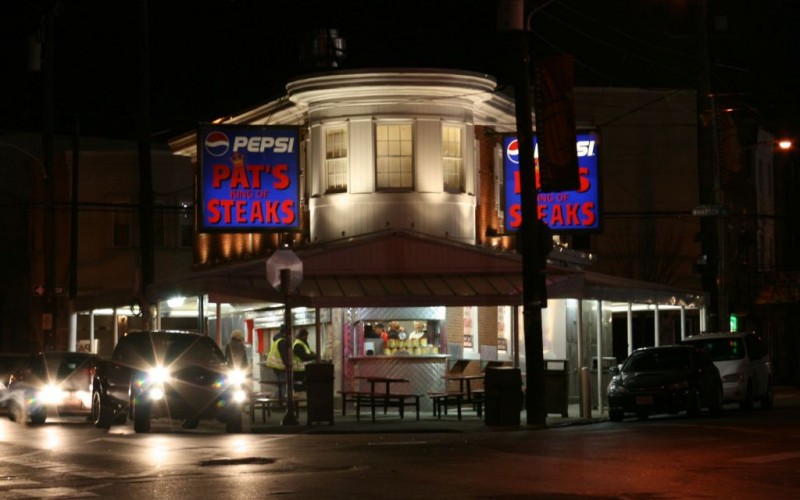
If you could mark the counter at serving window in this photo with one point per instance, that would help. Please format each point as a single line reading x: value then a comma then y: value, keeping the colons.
x: 424, y: 372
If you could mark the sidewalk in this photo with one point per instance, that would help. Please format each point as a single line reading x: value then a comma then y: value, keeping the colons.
x: 785, y: 396
x: 392, y: 423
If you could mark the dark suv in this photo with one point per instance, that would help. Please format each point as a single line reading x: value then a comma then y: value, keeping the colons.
x: 172, y: 374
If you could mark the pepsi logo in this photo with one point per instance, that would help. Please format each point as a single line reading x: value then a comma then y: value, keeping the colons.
x: 217, y: 143
x: 512, y: 152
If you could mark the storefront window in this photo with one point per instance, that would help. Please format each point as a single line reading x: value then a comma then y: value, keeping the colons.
x: 400, y: 338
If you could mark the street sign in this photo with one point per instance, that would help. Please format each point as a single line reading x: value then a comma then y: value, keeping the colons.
x: 708, y: 211
x: 284, y: 259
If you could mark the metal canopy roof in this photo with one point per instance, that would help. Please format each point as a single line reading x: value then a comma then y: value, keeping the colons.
x: 403, y: 268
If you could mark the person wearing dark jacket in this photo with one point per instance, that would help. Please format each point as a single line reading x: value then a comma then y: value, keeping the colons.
x: 236, y: 352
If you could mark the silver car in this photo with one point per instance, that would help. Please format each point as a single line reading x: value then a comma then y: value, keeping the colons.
x: 743, y: 364
x: 51, y: 384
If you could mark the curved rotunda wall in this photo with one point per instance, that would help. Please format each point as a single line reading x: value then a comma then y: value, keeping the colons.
x: 354, y: 105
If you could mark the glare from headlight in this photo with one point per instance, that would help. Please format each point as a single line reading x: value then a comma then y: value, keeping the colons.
x: 239, y: 396
x: 158, y: 375
x: 86, y: 398
x: 236, y: 377
x: 51, y: 394
x: 156, y: 393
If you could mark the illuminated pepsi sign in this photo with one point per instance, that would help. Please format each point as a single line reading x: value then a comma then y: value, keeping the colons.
x: 562, y: 211
x: 249, y: 178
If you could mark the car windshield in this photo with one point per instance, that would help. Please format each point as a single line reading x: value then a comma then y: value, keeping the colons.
x: 657, y: 360
x: 59, y: 366
x: 183, y: 348
x: 722, y: 349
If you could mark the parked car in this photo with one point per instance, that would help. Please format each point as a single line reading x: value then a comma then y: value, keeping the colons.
x: 51, y: 383
x: 665, y: 379
x: 743, y: 364
x: 170, y: 374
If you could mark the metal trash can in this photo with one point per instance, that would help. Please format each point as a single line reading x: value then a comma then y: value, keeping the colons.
x: 502, y: 396
x: 556, y: 386
x: 319, y: 391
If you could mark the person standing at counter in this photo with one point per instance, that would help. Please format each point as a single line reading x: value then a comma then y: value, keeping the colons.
x: 278, y: 359
x: 419, y: 330
x: 380, y: 330
x: 301, y: 354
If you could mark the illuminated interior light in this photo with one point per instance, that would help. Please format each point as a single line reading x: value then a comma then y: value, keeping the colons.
x: 176, y: 301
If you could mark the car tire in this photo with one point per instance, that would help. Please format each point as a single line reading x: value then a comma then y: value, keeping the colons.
x: 141, y: 417
x: 16, y: 413
x: 38, y: 417
x: 747, y: 403
x: 693, y: 403
x: 768, y: 399
x: 101, y: 414
x: 233, y: 420
x: 616, y: 415
x: 191, y: 423
x: 717, y: 403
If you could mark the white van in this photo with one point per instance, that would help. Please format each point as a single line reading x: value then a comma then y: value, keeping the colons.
x: 743, y: 364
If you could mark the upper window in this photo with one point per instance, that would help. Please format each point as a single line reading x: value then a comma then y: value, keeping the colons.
x: 336, y: 160
x: 453, y: 158
x: 394, y: 158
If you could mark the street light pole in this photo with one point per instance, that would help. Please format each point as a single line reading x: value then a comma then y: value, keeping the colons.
x: 708, y: 179
x: 50, y: 310
x: 290, y: 418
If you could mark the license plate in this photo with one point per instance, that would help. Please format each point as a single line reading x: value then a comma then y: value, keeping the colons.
x: 644, y: 400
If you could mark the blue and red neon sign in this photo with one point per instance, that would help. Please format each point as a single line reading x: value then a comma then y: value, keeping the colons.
x: 561, y: 211
x: 249, y: 178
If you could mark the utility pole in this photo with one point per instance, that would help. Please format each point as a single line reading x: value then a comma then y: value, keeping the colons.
x: 147, y: 259
x: 711, y: 229
x: 532, y: 261
x: 50, y: 311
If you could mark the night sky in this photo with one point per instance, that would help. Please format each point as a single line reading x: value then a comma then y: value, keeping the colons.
x: 214, y: 57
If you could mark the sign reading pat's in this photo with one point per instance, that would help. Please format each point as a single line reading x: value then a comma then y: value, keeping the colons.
x: 249, y: 178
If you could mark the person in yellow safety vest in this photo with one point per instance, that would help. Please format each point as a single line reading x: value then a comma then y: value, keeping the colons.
x: 301, y: 354
x: 278, y: 359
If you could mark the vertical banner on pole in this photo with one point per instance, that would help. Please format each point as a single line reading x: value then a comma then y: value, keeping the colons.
x: 554, y: 104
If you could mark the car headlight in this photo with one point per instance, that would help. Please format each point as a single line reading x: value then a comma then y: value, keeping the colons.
x: 237, y: 377
x: 51, y: 394
x: 733, y: 378
x: 156, y: 392
x: 239, y: 396
x: 158, y: 375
